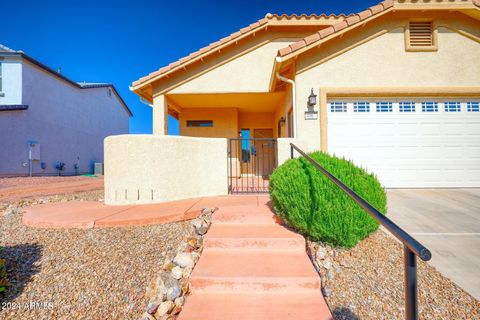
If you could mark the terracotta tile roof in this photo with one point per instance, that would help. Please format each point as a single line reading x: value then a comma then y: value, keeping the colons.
x: 349, y: 21
x: 234, y: 36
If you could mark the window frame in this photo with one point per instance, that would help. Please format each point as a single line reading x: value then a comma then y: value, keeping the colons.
x: 429, y: 106
x: 338, y: 106
x: 413, y: 108
x: 473, y: 106
x: 366, y: 104
x: 199, y: 123
x: 380, y: 106
x: 447, y: 107
x: 433, y: 47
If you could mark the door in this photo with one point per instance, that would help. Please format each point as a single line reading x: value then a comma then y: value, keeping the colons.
x: 409, y: 143
x: 264, y: 152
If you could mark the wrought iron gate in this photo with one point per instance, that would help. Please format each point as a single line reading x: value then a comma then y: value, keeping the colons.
x: 250, y: 163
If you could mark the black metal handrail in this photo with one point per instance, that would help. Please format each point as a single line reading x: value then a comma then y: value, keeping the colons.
x: 411, y: 247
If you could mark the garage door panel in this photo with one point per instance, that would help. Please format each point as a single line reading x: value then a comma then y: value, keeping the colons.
x: 417, y: 149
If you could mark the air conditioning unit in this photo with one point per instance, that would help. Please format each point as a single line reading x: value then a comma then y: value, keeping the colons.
x: 98, y: 168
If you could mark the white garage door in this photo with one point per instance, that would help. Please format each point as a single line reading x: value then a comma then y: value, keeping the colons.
x: 409, y: 142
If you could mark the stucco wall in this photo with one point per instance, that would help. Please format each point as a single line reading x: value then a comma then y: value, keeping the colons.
x: 225, y: 122
x: 248, y: 73
x: 155, y: 168
x: 11, y: 92
x: 66, y: 121
x: 381, y: 63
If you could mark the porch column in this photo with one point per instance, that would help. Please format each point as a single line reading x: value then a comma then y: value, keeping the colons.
x: 160, y: 115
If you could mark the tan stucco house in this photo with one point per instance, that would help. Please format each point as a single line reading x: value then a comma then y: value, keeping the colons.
x: 395, y: 88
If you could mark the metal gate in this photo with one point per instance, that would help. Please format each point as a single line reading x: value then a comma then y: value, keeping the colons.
x: 250, y: 163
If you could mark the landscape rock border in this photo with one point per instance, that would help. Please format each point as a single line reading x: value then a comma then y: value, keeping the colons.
x: 167, y: 292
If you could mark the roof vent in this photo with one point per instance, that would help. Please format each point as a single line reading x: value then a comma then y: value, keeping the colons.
x: 420, y: 36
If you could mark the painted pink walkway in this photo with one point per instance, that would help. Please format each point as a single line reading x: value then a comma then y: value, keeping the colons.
x: 90, y: 214
x: 253, y: 268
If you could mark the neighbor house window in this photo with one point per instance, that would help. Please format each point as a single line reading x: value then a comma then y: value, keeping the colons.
x: 384, y: 106
x: 429, y: 106
x: 199, y: 123
x: 452, y: 106
x: 420, y: 36
x: 473, y: 106
x: 361, y: 106
x: 406, y: 106
x: 338, y: 107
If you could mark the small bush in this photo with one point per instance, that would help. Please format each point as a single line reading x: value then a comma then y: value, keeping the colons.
x: 3, y: 276
x: 310, y: 203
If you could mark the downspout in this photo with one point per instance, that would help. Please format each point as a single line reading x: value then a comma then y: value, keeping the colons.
x: 294, y: 100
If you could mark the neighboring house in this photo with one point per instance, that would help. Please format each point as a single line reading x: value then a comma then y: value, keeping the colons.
x: 46, y: 118
x: 395, y: 88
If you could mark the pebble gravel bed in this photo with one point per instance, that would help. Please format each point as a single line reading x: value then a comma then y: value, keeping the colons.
x: 81, y: 274
x: 366, y: 282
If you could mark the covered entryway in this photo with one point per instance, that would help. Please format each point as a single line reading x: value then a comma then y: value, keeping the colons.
x: 407, y: 142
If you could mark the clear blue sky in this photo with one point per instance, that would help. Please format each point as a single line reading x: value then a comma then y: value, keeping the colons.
x: 121, y: 41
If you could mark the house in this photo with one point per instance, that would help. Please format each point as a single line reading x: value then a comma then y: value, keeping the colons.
x: 47, y: 119
x: 395, y: 88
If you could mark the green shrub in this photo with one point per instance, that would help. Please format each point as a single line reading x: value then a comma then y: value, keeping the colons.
x: 310, y: 203
x: 3, y: 276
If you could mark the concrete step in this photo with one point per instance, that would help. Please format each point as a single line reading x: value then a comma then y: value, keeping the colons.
x: 243, y: 270
x: 242, y: 214
x: 255, y: 306
x: 244, y: 230
x: 257, y: 243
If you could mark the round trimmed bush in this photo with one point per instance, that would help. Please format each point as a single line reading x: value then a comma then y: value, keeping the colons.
x: 310, y: 203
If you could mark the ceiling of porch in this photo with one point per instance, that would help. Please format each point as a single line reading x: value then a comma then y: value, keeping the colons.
x: 244, y: 102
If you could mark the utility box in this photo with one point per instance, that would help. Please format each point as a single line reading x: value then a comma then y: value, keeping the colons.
x: 98, y: 168
x: 34, y: 153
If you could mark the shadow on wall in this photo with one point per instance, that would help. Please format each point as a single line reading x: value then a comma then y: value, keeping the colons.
x: 21, y: 263
x: 344, y: 313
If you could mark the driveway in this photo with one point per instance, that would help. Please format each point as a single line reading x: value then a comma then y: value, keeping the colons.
x: 447, y: 221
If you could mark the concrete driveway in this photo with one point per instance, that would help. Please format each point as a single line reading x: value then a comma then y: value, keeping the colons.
x: 447, y: 221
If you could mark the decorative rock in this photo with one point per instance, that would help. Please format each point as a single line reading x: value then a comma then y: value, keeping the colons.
x: 177, y: 272
x: 206, y: 211
x: 321, y: 253
x: 180, y: 301
x: 195, y: 257
x: 346, y: 262
x: 187, y: 272
x: 167, y: 286
x: 168, y: 266
x: 330, y: 274
x: 164, y: 308
x: 173, y: 293
x: 184, y: 260
x: 147, y: 316
x: 327, y: 263
x: 327, y: 291
x: 153, y: 305
x: 184, y: 284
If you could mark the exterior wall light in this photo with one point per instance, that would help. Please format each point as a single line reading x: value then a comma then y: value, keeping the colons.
x: 312, y: 99
x: 311, y: 114
x: 282, y: 121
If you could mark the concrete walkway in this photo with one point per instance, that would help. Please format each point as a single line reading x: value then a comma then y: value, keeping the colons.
x: 253, y: 268
x: 447, y: 221
x: 93, y: 214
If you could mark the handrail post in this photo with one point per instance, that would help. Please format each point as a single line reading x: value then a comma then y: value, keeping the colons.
x: 291, y: 152
x: 411, y: 299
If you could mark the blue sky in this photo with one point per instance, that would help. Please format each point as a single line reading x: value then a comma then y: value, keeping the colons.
x: 121, y: 41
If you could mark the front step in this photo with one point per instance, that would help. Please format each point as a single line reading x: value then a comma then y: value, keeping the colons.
x: 240, y: 214
x: 257, y: 243
x: 244, y: 230
x: 255, y: 306
x: 241, y: 270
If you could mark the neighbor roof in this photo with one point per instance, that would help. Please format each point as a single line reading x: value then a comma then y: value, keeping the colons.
x: 5, y: 51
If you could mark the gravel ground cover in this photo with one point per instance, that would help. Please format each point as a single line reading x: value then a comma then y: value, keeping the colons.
x: 367, y: 283
x: 81, y: 274
x: 27, y: 181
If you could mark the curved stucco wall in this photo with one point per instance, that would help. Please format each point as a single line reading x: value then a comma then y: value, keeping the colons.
x: 153, y: 168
